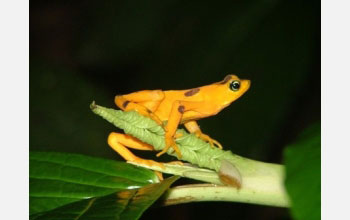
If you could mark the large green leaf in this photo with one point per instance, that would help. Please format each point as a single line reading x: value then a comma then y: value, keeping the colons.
x: 57, y: 179
x: 303, y: 169
x: 127, y: 204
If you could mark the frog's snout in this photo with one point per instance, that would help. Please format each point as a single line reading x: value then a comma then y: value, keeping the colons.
x: 245, y: 84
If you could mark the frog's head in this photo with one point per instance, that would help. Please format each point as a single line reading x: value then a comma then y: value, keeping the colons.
x: 231, y: 88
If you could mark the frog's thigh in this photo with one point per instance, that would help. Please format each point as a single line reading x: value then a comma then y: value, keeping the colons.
x: 144, y: 102
x: 120, y: 142
x: 140, y: 101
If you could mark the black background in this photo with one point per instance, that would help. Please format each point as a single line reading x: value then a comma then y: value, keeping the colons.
x: 82, y: 51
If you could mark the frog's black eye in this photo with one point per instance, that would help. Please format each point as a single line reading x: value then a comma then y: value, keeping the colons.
x: 235, y: 85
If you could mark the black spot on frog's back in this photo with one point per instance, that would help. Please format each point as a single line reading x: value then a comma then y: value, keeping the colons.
x: 192, y: 92
x: 125, y: 104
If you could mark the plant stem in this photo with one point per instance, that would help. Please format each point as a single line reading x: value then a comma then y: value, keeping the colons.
x: 262, y: 184
x: 210, y: 192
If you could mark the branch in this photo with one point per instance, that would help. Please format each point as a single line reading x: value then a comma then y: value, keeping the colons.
x: 264, y: 188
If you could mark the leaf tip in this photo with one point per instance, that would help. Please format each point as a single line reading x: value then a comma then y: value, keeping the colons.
x: 93, y: 105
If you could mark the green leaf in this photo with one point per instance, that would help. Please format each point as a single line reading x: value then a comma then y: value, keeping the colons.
x: 127, y: 204
x: 57, y: 179
x: 303, y: 170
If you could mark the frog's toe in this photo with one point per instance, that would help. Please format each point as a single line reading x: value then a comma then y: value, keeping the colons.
x: 217, y: 144
x: 170, y: 143
x: 179, y: 163
x: 210, y: 140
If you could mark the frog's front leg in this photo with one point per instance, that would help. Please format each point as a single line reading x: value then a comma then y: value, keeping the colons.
x: 193, y: 127
x: 144, y: 102
x: 177, y: 110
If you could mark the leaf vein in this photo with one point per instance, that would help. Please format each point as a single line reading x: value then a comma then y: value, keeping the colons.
x: 86, y: 208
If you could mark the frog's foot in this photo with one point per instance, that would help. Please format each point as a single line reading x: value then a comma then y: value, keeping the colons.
x: 206, y: 138
x: 159, y: 175
x: 149, y: 163
x: 178, y: 135
x: 180, y: 163
x: 170, y: 143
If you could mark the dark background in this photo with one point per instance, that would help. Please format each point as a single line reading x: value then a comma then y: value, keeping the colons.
x: 82, y: 51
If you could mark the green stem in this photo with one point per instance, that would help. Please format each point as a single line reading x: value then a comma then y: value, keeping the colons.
x: 264, y: 186
x: 208, y: 192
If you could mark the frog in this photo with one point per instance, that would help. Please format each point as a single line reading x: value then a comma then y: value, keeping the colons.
x: 172, y: 108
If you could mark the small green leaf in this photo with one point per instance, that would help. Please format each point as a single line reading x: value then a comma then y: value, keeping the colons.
x: 303, y: 169
x: 57, y: 179
x: 127, y: 204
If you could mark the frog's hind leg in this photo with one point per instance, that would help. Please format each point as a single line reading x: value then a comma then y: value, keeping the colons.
x: 144, y: 102
x: 121, y: 142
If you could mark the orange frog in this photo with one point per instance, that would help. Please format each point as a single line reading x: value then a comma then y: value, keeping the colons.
x: 174, y: 107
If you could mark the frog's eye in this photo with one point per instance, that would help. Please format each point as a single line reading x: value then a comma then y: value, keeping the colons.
x: 235, y: 85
